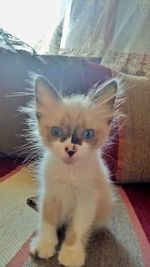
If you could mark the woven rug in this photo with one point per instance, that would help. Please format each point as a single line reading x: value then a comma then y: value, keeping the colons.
x: 123, y: 242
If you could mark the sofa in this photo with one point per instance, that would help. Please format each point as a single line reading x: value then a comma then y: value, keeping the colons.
x: 127, y: 157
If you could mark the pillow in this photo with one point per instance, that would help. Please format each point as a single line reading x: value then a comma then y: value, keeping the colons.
x: 93, y: 73
x: 129, y: 155
x: 134, y: 142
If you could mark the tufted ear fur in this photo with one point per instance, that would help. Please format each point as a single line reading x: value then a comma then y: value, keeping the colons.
x: 103, y: 99
x: 105, y: 94
x: 46, y: 96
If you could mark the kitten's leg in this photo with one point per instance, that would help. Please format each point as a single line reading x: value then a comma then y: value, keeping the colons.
x: 104, y: 211
x: 72, y: 253
x: 44, y: 244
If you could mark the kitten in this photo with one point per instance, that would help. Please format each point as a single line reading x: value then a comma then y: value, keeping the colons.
x: 74, y: 181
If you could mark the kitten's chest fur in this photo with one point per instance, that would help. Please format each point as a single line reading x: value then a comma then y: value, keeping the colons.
x: 69, y: 179
x: 71, y: 184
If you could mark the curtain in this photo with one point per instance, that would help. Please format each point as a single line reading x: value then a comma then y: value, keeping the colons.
x: 116, y: 31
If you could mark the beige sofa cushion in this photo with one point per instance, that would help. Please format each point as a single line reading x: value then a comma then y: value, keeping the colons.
x: 134, y: 138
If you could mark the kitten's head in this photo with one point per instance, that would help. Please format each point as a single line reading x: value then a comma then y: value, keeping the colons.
x: 72, y: 127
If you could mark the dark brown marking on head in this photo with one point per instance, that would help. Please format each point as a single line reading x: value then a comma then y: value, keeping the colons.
x: 75, y: 139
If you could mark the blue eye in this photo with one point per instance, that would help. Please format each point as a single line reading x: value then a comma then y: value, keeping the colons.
x: 56, y: 131
x: 88, y: 134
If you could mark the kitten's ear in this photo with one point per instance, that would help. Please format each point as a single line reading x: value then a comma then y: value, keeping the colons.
x: 105, y: 94
x: 103, y: 99
x: 46, y: 96
x: 44, y: 91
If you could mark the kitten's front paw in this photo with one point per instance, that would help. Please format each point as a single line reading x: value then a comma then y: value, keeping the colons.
x: 71, y: 256
x: 42, y: 248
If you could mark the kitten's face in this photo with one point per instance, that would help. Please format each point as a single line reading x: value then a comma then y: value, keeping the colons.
x: 71, y: 127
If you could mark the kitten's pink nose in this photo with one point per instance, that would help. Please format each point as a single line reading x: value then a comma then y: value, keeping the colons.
x: 70, y: 151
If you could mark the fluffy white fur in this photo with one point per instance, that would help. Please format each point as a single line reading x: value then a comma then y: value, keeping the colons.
x: 77, y: 190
